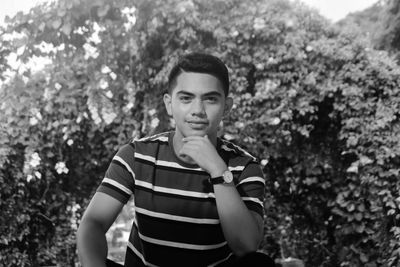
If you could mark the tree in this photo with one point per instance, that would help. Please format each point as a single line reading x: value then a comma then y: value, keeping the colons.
x: 379, y: 24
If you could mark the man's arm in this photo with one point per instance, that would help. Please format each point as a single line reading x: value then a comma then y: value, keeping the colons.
x: 97, y: 219
x: 242, y: 228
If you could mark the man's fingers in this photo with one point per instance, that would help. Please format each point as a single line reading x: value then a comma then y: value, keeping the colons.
x: 188, y: 148
x: 186, y: 156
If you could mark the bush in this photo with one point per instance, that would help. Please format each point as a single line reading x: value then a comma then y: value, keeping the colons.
x: 317, y: 107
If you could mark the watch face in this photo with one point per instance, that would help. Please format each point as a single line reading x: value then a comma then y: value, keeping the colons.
x: 228, y: 177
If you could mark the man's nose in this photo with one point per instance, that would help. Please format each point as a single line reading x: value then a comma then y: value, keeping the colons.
x: 198, y: 108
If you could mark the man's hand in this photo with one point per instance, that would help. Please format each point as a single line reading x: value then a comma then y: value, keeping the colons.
x: 233, y: 213
x: 202, y: 151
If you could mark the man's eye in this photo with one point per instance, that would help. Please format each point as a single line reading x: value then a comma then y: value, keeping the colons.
x: 212, y: 99
x: 184, y: 98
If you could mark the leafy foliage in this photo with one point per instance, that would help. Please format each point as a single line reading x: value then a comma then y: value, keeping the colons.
x: 317, y: 107
x: 379, y: 24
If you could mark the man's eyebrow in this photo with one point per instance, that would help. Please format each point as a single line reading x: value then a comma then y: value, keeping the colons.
x: 183, y: 92
x: 214, y: 93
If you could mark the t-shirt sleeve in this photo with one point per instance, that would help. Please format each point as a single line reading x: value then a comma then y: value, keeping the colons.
x: 251, y: 187
x: 119, y: 178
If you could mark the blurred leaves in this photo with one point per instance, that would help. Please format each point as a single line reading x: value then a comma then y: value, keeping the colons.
x: 317, y: 107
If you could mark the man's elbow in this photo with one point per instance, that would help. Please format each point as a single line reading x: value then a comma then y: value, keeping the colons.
x: 80, y: 235
x: 83, y: 227
x: 87, y: 230
x: 244, y: 248
x: 91, y: 243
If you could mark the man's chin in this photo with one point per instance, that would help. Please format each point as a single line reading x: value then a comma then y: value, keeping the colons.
x: 196, y: 134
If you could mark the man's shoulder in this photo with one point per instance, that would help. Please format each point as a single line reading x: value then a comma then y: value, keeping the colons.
x: 236, y: 151
x: 156, y: 138
x: 150, y: 145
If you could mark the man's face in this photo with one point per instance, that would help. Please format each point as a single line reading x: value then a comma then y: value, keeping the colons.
x: 197, y: 104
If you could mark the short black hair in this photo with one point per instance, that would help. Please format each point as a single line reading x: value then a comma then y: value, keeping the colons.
x: 201, y: 63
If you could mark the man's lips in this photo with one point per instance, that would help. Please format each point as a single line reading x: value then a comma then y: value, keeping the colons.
x: 197, y: 124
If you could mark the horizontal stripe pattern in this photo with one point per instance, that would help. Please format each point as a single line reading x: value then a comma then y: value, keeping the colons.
x: 163, y: 163
x: 186, y: 193
x: 126, y: 165
x: 173, y: 191
x: 176, y: 218
x: 252, y: 179
x: 200, y: 208
x: 162, y: 137
x: 253, y: 199
x: 140, y: 255
x: 170, y: 256
x: 180, y: 245
x: 165, y: 255
x: 236, y: 168
x: 228, y: 146
x: 117, y: 185
x: 191, y: 231
x: 221, y: 261
x: 175, y: 165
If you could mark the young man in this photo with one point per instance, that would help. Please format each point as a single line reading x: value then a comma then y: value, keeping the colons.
x: 198, y: 199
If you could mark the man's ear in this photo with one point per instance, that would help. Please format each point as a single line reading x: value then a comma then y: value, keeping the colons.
x: 167, y: 102
x: 228, y: 105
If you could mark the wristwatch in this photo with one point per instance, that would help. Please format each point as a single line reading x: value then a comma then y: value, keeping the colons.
x: 226, y: 178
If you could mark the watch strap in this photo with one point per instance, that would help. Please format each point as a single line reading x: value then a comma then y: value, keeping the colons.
x: 216, y: 180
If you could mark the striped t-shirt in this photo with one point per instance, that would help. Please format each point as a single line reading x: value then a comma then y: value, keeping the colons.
x: 176, y: 219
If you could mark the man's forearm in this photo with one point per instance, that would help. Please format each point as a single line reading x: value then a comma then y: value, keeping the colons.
x: 92, y: 245
x: 240, y: 228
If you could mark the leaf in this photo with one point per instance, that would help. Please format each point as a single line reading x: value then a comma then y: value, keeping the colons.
x: 364, y: 258
x: 56, y: 23
x: 61, y: 12
x: 42, y: 26
x: 310, y: 79
x: 310, y: 180
x: 391, y: 212
x: 352, y: 141
x: 361, y: 207
x: 352, y: 169
x: 66, y: 28
x: 364, y: 160
x: 103, y: 10
x: 360, y: 228
x: 351, y: 207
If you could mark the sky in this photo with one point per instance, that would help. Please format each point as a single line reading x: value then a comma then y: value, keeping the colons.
x: 338, y: 9
x: 11, y: 7
x: 332, y: 9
